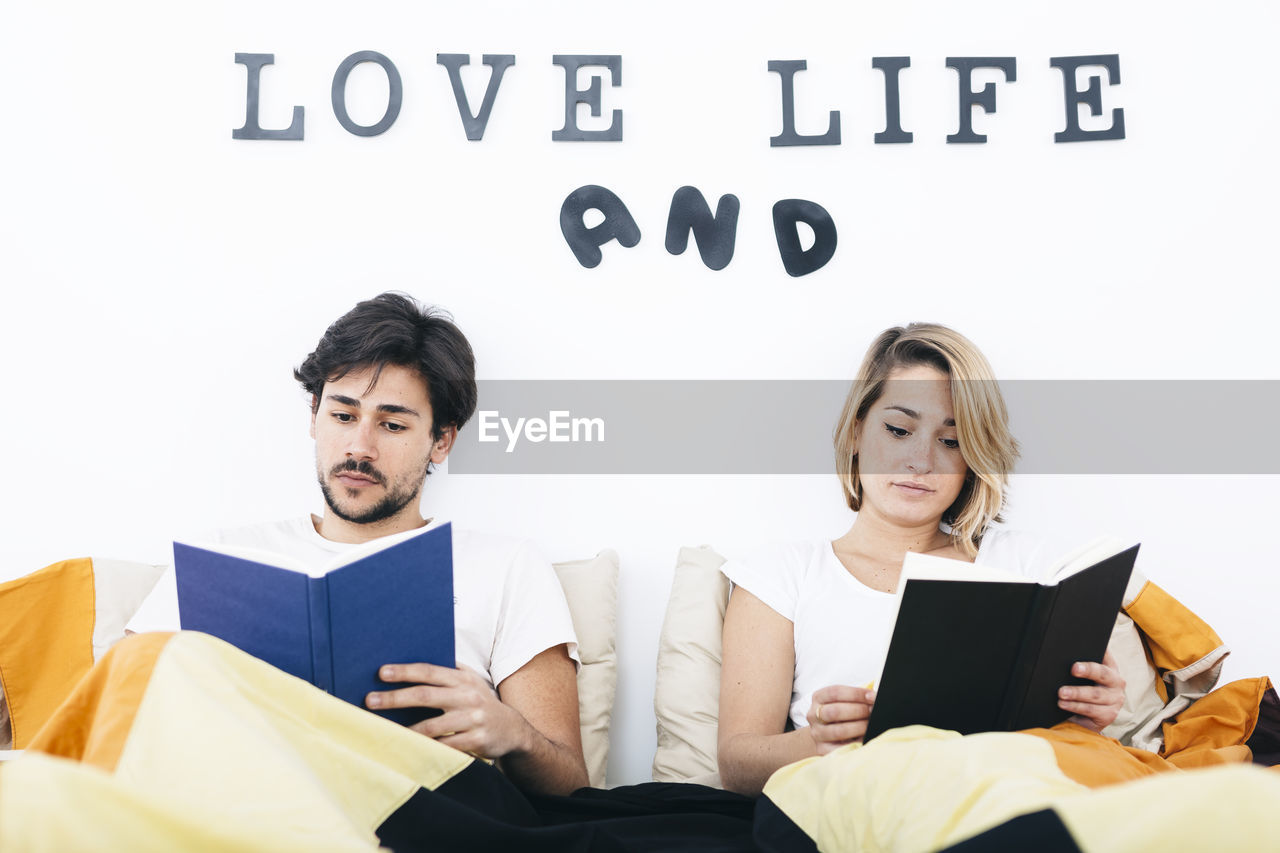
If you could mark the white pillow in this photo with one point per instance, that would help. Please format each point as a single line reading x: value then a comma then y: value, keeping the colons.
x: 686, y: 697
x: 591, y: 589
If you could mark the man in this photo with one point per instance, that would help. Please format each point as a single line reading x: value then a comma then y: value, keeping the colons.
x: 391, y: 383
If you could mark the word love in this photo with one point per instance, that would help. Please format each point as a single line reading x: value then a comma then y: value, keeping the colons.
x: 473, y: 124
x: 715, y: 233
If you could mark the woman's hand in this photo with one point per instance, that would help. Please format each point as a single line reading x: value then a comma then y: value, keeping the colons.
x: 1094, y: 707
x: 838, y: 716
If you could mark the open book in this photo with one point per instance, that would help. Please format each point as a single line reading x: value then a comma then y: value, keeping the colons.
x: 977, y: 649
x: 388, y: 601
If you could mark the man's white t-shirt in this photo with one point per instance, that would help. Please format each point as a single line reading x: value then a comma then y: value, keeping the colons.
x: 841, y: 625
x: 508, y: 602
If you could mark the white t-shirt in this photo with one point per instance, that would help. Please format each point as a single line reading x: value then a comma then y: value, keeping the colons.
x: 842, y: 626
x: 508, y: 602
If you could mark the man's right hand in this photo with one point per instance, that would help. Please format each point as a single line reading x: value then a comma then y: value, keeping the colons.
x: 474, y: 720
x: 838, y: 716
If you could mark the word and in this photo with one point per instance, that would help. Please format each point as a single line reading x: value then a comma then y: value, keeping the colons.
x: 559, y: 426
x: 715, y: 233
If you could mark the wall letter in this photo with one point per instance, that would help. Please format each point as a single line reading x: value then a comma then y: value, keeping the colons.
x: 590, y: 96
x: 797, y: 261
x: 586, y: 242
x: 787, y: 69
x: 715, y: 235
x: 1091, y: 96
x: 253, y: 63
x: 891, y: 65
x: 339, y: 93
x: 498, y: 65
x: 986, y: 99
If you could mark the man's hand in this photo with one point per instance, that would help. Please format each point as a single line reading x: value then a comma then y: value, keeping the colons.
x: 474, y: 719
x: 838, y: 716
x: 1094, y: 707
x: 530, y: 725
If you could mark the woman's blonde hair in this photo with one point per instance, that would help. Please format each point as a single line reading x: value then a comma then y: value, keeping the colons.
x: 982, y: 421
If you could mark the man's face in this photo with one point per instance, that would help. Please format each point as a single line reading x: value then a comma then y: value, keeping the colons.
x: 373, y: 445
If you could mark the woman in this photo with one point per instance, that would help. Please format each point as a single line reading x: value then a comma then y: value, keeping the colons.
x: 923, y: 452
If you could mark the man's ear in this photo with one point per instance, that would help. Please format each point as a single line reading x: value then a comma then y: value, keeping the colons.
x: 440, y: 450
x: 315, y: 407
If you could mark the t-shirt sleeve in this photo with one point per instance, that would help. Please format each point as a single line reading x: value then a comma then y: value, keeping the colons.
x: 772, y: 574
x: 159, y: 610
x: 533, y: 616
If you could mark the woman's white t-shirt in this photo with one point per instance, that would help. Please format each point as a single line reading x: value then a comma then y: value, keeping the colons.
x: 842, y: 626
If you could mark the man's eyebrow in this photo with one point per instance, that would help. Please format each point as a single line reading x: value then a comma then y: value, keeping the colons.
x: 912, y: 413
x: 385, y: 408
x: 393, y: 409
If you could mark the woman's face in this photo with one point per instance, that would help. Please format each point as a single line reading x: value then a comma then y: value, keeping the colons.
x: 909, y: 457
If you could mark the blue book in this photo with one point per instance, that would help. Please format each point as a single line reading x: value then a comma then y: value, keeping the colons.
x: 388, y: 601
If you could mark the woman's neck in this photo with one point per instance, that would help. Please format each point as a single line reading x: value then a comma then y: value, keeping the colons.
x: 883, y: 541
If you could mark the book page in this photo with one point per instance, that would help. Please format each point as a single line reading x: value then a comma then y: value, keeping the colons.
x: 364, y: 549
x: 926, y: 567
x: 1086, y: 555
x: 256, y: 555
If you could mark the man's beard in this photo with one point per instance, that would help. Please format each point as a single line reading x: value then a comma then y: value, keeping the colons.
x: 396, y: 498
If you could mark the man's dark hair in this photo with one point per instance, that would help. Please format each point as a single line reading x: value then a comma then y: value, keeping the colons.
x: 393, y: 328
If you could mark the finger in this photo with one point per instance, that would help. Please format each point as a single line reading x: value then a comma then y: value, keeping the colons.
x: 843, y: 693
x: 1091, y: 695
x: 844, y: 732
x: 843, y: 712
x: 826, y: 747
x: 421, y: 673
x: 1101, y: 673
x: 420, y: 696
x: 469, y: 742
x: 1096, y: 717
x: 449, y: 723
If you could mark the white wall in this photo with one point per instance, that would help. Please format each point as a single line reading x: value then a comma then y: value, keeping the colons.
x: 160, y: 279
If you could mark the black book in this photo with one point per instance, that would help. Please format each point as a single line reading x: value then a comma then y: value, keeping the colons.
x: 388, y: 601
x: 976, y: 649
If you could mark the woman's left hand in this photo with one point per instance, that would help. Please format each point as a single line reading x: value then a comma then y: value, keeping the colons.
x: 1094, y: 706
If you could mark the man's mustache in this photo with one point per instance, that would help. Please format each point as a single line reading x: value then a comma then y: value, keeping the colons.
x: 362, y: 467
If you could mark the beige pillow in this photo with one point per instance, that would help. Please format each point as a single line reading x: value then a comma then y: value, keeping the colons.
x: 591, y: 589
x: 686, y: 697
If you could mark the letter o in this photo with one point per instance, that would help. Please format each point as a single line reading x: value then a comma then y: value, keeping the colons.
x: 339, y: 93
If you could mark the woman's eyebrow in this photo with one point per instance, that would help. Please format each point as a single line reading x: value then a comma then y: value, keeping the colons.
x: 912, y: 413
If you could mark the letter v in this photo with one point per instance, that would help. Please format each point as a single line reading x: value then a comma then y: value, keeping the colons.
x: 498, y: 63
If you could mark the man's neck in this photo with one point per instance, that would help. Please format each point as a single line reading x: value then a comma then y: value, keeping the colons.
x: 340, y: 530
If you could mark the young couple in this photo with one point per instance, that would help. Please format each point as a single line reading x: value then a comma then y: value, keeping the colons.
x: 923, y: 452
